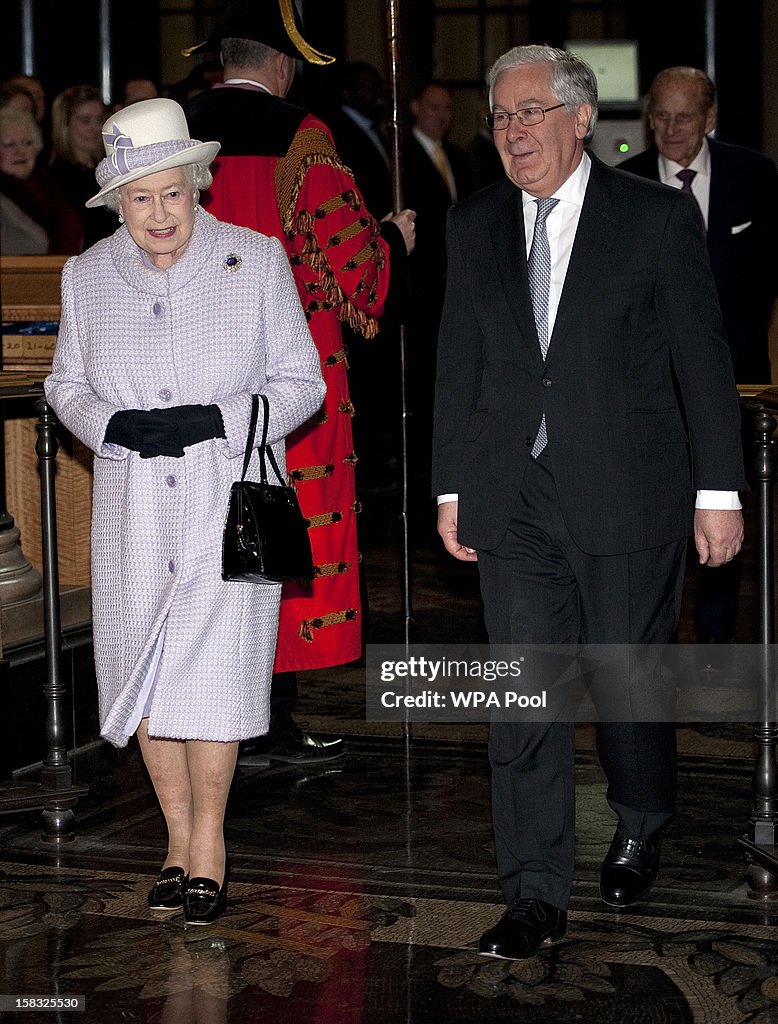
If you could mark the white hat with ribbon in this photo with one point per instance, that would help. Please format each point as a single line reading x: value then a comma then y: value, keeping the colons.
x: 144, y: 138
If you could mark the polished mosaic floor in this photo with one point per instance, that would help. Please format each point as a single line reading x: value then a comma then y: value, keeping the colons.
x: 359, y: 888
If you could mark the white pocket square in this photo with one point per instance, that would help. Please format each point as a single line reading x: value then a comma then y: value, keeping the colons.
x: 737, y: 228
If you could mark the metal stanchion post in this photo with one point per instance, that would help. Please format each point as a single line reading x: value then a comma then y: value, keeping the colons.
x: 760, y: 841
x: 56, y: 793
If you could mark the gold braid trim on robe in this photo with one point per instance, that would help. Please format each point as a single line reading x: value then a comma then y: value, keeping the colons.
x: 307, y: 626
x: 309, y: 148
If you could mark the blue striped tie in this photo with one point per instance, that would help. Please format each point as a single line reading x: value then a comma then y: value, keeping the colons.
x: 539, y: 271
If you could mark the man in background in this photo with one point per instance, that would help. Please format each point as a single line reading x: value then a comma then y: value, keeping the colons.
x: 737, y: 192
x: 436, y: 174
x: 278, y: 172
x: 356, y: 129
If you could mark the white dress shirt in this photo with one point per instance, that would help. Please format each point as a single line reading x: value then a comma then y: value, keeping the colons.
x: 668, y: 169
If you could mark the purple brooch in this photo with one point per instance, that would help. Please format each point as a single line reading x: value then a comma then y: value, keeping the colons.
x: 232, y: 262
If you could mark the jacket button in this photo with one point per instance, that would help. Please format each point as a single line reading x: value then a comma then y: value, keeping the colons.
x: 546, y: 382
x: 171, y: 481
x: 165, y: 394
x: 157, y: 309
x: 171, y: 566
x: 528, y: 442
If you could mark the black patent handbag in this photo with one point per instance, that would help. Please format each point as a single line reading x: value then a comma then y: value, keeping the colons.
x: 265, y: 537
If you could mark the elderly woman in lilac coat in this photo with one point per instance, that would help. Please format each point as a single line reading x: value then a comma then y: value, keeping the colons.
x: 168, y: 328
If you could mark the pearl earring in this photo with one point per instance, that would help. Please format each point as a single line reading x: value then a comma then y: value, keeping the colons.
x: 121, y: 219
x: 196, y: 207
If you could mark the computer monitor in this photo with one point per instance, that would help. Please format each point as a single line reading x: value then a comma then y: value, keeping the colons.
x: 615, y: 63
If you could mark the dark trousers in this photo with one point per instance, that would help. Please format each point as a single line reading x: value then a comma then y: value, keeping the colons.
x: 539, y: 587
x: 283, y: 697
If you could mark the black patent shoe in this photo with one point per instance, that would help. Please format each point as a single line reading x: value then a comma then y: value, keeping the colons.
x: 522, y: 930
x: 629, y: 869
x: 167, y: 893
x: 204, y: 901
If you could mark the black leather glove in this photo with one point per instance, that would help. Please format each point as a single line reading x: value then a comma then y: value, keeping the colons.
x: 198, y: 423
x: 150, y: 433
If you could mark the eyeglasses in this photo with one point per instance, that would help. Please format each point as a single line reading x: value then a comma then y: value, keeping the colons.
x: 499, y: 120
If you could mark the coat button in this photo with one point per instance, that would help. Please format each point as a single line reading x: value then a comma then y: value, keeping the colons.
x: 528, y: 442
x: 165, y: 394
x: 171, y: 566
x: 171, y: 481
x: 157, y: 309
x: 546, y: 382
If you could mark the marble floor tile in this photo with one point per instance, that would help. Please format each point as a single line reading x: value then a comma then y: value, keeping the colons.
x: 359, y: 888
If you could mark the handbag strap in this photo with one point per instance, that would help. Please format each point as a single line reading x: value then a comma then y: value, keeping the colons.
x: 264, y: 448
x: 252, y: 434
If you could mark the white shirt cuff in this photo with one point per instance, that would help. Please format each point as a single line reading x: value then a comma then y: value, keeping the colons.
x: 447, y: 497
x: 727, y: 500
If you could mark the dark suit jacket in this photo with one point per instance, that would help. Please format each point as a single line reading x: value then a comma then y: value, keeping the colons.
x: 371, y: 172
x: 638, y: 306
x: 743, y: 247
x: 426, y: 192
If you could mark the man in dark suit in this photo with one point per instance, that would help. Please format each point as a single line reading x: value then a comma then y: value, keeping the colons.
x: 356, y: 128
x: 737, y: 191
x: 436, y: 174
x: 563, y: 462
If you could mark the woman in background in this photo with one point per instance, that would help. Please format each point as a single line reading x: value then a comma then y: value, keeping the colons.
x: 35, y: 217
x: 77, y: 116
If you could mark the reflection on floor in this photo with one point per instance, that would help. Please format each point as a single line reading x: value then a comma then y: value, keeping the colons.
x: 360, y: 887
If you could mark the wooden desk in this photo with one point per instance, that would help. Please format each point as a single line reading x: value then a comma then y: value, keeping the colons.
x: 31, y: 294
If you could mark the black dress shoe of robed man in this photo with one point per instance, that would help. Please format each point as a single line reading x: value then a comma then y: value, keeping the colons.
x: 522, y: 929
x: 629, y: 869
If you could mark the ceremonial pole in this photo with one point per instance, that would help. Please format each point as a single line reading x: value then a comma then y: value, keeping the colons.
x: 393, y: 39
x: 393, y: 42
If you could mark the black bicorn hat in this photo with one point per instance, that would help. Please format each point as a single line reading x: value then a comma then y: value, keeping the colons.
x: 272, y: 22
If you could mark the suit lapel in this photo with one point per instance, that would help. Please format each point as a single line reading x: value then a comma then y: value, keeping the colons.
x: 719, y: 201
x: 589, y: 249
x: 506, y: 227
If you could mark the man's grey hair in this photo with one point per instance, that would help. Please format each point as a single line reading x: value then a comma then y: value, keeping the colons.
x: 572, y: 80
x: 246, y: 53
x: 199, y: 175
x: 684, y: 74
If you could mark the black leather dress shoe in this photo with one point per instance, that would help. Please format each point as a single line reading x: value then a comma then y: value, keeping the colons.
x: 291, y: 745
x: 204, y: 901
x: 629, y: 869
x: 167, y: 893
x: 522, y: 929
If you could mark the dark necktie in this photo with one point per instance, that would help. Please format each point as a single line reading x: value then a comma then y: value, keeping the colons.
x: 686, y: 176
x: 539, y: 271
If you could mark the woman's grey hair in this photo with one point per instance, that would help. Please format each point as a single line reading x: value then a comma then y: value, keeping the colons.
x: 572, y: 80
x: 199, y: 176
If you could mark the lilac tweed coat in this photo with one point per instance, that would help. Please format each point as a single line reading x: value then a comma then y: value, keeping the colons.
x: 133, y: 337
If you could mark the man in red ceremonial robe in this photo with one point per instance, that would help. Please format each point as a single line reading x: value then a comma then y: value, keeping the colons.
x: 278, y: 172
